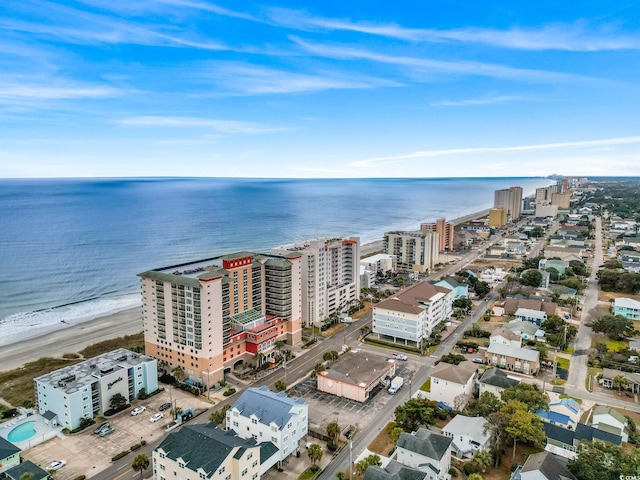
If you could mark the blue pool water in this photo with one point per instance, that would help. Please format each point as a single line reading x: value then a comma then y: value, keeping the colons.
x: 22, y: 432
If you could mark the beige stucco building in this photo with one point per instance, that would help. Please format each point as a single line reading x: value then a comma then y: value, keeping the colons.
x: 415, y: 251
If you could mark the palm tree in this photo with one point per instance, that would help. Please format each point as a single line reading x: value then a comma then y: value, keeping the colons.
x: 140, y: 463
x: 620, y: 381
x: 279, y: 346
x: 258, y: 359
x: 484, y: 459
x: 330, y: 356
x: 280, y: 386
x: 219, y: 417
x: 315, y: 453
x: 178, y: 373
x: 333, y: 430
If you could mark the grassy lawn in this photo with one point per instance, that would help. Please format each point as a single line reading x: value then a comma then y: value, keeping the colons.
x: 612, y: 345
x: 563, y: 363
x: 307, y: 474
x: 16, y: 385
x: 572, y: 398
x: 591, y: 373
x: 426, y: 386
x: 382, y: 445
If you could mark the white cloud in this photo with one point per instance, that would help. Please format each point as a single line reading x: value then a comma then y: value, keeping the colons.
x: 224, y: 126
x: 487, y: 100
x: 41, y: 91
x: 577, y: 36
x: 370, y: 162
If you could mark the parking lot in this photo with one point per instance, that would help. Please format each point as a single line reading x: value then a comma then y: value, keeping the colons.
x: 86, y: 452
x: 325, y: 408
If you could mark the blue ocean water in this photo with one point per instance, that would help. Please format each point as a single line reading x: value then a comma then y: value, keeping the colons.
x: 70, y: 249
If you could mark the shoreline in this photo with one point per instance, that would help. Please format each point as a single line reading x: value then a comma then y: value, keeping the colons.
x: 75, y: 337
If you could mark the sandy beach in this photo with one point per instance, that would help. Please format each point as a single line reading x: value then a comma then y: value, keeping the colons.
x: 71, y: 339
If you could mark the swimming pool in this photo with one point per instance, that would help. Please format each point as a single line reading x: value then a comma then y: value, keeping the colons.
x: 22, y: 432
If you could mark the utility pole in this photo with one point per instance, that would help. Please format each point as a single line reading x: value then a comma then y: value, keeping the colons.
x: 350, y: 458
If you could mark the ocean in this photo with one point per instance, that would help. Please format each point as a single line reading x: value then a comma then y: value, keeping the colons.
x: 70, y: 249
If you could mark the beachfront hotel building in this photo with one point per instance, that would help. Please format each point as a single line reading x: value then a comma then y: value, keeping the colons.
x: 444, y: 229
x: 415, y: 251
x: 498, y: 217
x: 208, y: 315
x: 330, y: 275
x: 511, y: 199
x: 85, y: 390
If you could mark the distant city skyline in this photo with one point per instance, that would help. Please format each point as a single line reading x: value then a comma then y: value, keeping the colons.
x: 328, y: 90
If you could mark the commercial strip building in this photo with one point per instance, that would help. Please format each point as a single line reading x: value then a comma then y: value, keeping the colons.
x: 355, y: 375
x: 414, y: 251
x: 207, y: 315
x: 330, y: 275
x: 411, y: 314
x: 85, y: 390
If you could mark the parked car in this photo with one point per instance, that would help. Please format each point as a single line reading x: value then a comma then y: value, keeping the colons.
x: 399, y: 356
x: 106, y: 431
x: 138, y: 410
x: 156, y: 416
x: 165, y: 406
x: 101, y: 427
x: 477, y: 360
x: 55, y: 465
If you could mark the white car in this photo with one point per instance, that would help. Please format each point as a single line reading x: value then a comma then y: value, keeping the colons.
x: 399, y: 356
x: 138, y: 410
x: 56, y: 464
x: 155, y: 417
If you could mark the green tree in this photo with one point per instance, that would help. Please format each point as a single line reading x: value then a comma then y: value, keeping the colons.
x: 219, y: 417
x: 474, y: 476
x: 279, y: 346
x: 178, y: 373
x: 525, y: 425
x: 140, y: 463
x: 620, y: 381
x: 364, y: 330
x: 554, y: 274
x: 532, y: 278
x: 117, y: 402
x: 317, y: 369
x: 595, y: 461
x: 257, y: 359
x: 371, y: 460
x: 280, y: 386
x: 558, y: 331
x: 632, y: 429
x: 142, y: 394
x: 330, y: 356
x: 486, y: 404
x: 530, y: 395
x: 415, y: 413
x: 578, y: 268
x: 315, y: 453
x: 333, y: 430
x: 615, y: 327
x: 394, y: 433
x: 464, y: 304
x: 496, y: 424
x: 483, y: 459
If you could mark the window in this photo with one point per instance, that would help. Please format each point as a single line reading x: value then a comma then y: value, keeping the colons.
x: 253, y: 465
x: 203, y: 476
x: 254, y: 421
x: 221, y: 471
x: 181, y: 465
x: 244, y: 472
x: 162, y: 467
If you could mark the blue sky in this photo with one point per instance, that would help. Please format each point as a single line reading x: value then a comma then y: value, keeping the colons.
x: 331, y: 89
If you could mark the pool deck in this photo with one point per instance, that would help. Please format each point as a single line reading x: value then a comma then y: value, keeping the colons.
x: 43, y: 431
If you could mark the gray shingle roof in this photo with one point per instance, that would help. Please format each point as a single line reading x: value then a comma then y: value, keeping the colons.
x: 7, y: 448
x: 203, y: 446
x: 14, y: 473
x: 498, y: 378
x: 393, y: 471
x: 425, y: 442
x: 547, y: 464
x: 267, y: 406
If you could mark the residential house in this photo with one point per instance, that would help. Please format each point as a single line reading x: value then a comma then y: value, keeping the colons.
x: 394, y: 471
x: 493, y: 275
x: 629, y: 256
x: 28, y: 469
x: 512, y: 358
x: 633, y: 379
x: 560, y: 265
x: 495, y: 381
x: 609, y: 420
x: 458, y: 289
x: 427, y: 451
x: 266, y: 416
x: 512, y: 304
x: 631, y: 242
x: 563, y: 291
x: 564, y: 442
x: 565, y: 253
x: 627, y: 307
x: 9, y: 455
x: 525, y: 330
x: 564, y: 412
x: 355, y: 375
x: 515, y: 248
x: 453, y: 384
x: 502, y: 336
x: 411, y: 314
x: 467, y: 435
x: 204, y: 451
x: 542, y: 466
x: 536, y: 317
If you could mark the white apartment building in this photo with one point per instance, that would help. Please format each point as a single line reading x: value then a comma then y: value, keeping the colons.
x: 208, y: 315
x: 415, y: 251
x: 203, y: 452
x: 380, y: 263
x: 410, y: 315
x: 330, y: 275
x: 84, y: 390
x: 265, y: 416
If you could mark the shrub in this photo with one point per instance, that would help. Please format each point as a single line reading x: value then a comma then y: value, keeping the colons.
x: 118, y: 456
x: 229, y: 391
x: 27, y: 403
x: 12, y: 412
x: 453, y: 472
x: 135, y: 447
x: 314, y: 468
x: 167, y: 378
x: 143, y: 442
x: 470, y: 467
x: 81, y: 477
x: 331, y: 446
x: 70, y: 356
